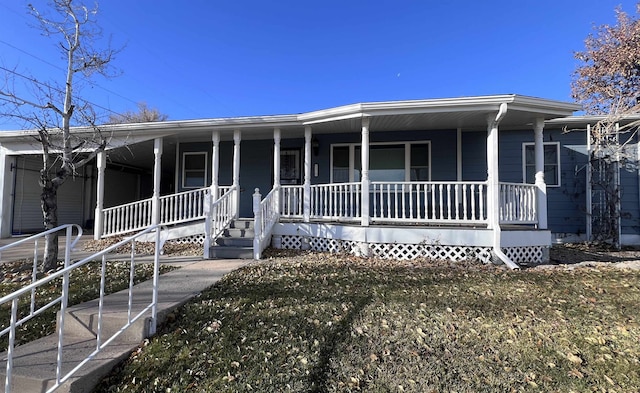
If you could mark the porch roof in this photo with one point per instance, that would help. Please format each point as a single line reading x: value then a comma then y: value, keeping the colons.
x: 468, y: 113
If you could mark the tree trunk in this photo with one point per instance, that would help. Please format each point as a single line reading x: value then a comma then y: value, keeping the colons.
x: 49, y: 204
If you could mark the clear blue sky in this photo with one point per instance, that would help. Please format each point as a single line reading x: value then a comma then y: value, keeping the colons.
x: 212, y: 58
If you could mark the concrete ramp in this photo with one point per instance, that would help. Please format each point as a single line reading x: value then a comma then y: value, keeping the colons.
x: 34, y: 364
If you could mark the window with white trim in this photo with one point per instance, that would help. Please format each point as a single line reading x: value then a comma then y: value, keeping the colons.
x: 194, y: 169
x: 551, y: 163
x: 388, y: 162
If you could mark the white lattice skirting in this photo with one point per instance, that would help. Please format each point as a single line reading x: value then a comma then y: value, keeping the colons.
x: 195, y: 239
x: 402, y: 251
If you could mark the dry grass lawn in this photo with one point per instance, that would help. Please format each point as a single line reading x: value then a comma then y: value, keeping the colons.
x: 317, y: 322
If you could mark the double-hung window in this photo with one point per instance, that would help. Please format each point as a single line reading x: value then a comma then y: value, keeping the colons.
x: 551, y: 163
x: 194, y: 169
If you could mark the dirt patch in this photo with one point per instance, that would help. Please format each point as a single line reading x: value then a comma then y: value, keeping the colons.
x: 589, y: 255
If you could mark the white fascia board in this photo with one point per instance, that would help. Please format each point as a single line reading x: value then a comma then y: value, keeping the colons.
x: 443, y: 105
x: 560, y: 108
x: 165, y: 128
x: 589, y: 119
x: 331, y: 114
x: 234, y: 122
x: 401, y: 108
x: 355, y: 115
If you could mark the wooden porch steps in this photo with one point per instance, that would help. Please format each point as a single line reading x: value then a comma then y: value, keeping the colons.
x: 236, y: 242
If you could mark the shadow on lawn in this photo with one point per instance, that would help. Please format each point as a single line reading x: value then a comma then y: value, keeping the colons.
x: 318, y: 375
x: 580, y: 252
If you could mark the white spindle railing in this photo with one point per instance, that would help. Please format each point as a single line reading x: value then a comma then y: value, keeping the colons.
x: 174, y: 209
x: 291, y: 200
x: 417, y: 202
x: 129, y: 217
x: 102, y: 339
x: 222, y: 213
x: 429, y: 202
x: 518, y: 203
x: 266, y: 214
x: 337, y: 201
x: 183, y: 206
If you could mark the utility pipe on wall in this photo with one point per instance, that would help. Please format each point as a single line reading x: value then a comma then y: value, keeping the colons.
x: 494, y: 185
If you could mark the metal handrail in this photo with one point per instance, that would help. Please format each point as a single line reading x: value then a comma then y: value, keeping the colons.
x: 63, y: 300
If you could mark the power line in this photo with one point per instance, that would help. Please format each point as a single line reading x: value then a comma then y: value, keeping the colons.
x: 94, y: 84
x: 57, y: 89
x: 86, y: 80
x: 90, y: 82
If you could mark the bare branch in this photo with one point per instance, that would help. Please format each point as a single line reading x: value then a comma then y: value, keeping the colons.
x: 54, y: 108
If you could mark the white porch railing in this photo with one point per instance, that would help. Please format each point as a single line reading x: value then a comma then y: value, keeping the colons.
x: 174, y: 209
x: 291, y: 201
x: 337, y: 201
x: 518, y: 203
x: 12, y: 301
x: 266, y: 213
x: 182, y: 207
x: 126, y: 218
x: 429, y: 202
x: 218, y: 216
x: 413, y: 202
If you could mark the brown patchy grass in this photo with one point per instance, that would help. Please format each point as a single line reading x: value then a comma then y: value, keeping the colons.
x: 317, y: 322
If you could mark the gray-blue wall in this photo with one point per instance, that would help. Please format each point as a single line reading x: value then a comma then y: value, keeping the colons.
x: 566, y: 204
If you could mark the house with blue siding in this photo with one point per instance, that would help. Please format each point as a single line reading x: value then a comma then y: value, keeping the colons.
x: 496, y: 178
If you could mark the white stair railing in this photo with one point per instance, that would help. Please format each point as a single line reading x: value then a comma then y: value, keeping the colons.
x: 218, y: 216
x: 266, y: 213
x: 12, y: 300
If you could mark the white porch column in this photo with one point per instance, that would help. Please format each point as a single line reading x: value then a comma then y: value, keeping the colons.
x: 276, y: 157
x: 307, y: 175
x: 539, y: 182
x: 213, y: 191
x: 157, y: 170
x: 215, y: 164
x: 364, y: 178
x: 276, y: 166
x: 459, y: 154
x: 98, y: 219
x: 236, y: 172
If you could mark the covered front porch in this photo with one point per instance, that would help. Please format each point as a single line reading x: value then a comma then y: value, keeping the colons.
x: 340, y: 191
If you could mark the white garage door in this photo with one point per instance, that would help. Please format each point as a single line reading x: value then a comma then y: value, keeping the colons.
x: 27, y: 214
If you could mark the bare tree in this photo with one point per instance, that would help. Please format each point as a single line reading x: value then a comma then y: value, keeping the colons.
x: 143, y: 115
x: 607, y: 83
x: 53, y: 109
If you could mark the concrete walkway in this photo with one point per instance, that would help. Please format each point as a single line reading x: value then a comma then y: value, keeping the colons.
x: 34, y: 363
